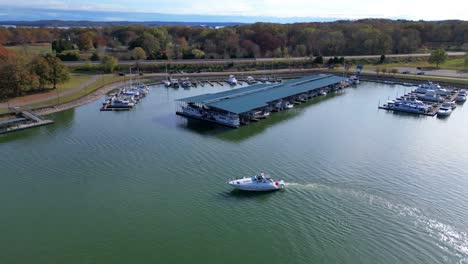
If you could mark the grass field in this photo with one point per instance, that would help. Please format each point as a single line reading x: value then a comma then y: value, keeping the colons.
x: 457, y: 64
x: 74, y: 81
x: 35, y: 49
x: 104, y: 80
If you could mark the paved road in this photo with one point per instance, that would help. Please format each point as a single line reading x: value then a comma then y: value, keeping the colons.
x: 39, y: 98
x: 197, y: 61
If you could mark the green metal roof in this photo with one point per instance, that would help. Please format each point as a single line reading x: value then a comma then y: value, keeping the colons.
x: 244, y: 99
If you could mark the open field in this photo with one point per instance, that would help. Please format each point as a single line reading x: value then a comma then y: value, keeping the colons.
x: 74, y: 81
x: 456, y: 64
x: 35, y: 49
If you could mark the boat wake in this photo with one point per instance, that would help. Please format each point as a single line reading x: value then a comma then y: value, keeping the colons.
x: 449, y: 238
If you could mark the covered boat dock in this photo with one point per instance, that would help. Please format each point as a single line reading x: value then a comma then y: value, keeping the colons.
x: 253, y: 102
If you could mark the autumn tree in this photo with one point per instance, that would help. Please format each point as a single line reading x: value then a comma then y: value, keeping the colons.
x: 57, y: 73
x: 85, y: 41
x: 437, y: 57
x: 15, y: 76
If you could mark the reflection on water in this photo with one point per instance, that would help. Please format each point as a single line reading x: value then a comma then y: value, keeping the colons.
x: 62, y: 120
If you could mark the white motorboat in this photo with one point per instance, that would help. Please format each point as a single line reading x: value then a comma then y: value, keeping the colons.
x: 120, y: 103
x: 192, y: 110
x: 322, y: 93
x: 408, y: 106
x: 353, y: 80
x: 445, y: 110
x: 231, y: 120
x: 432, y: 96
x: 423, y: 88
x: 232, y: 80
x: 288, y: 105
x: 460, y: 98
x: 257, y: 183
x: 186, y: 83
x: 250, y: 80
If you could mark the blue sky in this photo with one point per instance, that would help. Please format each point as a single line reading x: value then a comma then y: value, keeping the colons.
x: 408, y: 9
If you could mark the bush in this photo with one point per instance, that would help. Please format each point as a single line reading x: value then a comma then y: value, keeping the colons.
x: 69, y: 56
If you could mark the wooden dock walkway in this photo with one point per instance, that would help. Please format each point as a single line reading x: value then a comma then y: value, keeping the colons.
x: 24, y: 120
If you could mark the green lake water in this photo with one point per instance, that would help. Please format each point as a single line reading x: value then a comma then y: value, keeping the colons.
x: 146, y: 186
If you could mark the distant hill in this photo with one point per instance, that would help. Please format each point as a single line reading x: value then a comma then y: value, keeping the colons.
x: 86, y: 23
x: 21, y: 15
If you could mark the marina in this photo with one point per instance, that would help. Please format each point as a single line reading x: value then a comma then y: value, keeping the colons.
x: 125, y: 98
x: 428, y: 99
x: 252, y: 103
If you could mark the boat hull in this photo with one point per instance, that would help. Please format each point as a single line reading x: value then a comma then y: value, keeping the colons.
x: 256, y: 187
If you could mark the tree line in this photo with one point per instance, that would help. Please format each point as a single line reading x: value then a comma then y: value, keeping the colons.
x: 361, y: 37
x: 20, y: 74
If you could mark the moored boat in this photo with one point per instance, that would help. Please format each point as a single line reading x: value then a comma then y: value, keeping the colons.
x: 444, y: 110
x: 232, y: 80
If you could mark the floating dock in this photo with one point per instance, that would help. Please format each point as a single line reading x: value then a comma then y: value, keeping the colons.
x: 241, y: 105
x: 20, y: 120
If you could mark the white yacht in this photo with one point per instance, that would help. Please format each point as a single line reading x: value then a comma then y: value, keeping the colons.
x: 231, y: 120
x: 186, y: 83
x: 431, y: 96
x: 250, y: 80
x: 257, y: 183
x: 353, y: 80
x: 423, y: 88
x: 175, y: 83
x: 287, y: 105
x: 192, y: 110
x: 232, y: 80
x: 408, y: 106
x: 461, y: 97
x: 445, y: 110
x: 120, y: 103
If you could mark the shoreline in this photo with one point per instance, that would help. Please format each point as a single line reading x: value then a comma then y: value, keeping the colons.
x: 89, y: 98
x: 283, y: 73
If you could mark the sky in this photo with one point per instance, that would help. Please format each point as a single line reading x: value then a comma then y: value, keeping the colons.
x: 337, y: 9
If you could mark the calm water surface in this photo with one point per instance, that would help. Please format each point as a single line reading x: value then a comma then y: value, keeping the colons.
x: 147, y: 186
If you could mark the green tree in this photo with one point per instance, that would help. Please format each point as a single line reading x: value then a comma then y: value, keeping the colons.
x: 41, y: 67
x: 437, y: 57
x: 301, y: 50
x: 62, y: 45
x: 138, y: 53
x: 198, y: 54
x: 318, y: 60
x: 109, y: 63
x: 58, y: 72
